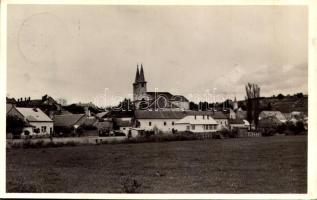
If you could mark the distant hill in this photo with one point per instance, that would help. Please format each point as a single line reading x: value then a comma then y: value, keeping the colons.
x: 284, y: 104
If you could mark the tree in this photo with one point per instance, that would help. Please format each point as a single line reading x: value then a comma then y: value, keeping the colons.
x: 62, y: 101
x: 299, y: 95
x: 193, y: 106
x: 15, y: 125
x: 253, y: 103
x: 280, y: 96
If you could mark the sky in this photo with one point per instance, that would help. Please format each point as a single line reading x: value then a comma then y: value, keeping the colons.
x: 83, y: 53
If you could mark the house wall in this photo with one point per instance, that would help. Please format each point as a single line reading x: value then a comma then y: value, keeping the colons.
x: 125, y: 130
x: 159, y: 123
x: 199, y: 128
x: 222, y: 123
x: 49, y: 128
x: 239, y: 126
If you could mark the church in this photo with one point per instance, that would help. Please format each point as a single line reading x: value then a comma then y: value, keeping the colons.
x: 154, y: 101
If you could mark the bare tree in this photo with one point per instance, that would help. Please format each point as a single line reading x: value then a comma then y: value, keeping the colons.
x: 253, y: 104
x: 62, y: 101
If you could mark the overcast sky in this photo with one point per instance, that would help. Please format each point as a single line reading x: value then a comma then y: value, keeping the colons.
x: 75, y: 52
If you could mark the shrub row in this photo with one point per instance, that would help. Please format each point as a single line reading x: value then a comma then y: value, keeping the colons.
x: 41, y: 144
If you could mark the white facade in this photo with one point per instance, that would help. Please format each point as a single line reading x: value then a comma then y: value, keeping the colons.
x: 165, y: 125
x: 38, y: 122
x: 125, y: 130
x: 222, y: 124
x: 39, y: 128
x: 197, y: 124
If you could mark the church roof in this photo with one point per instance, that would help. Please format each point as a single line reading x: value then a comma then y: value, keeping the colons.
x: 137, y: 75
x: 168, y: 96
x: 141, y: 77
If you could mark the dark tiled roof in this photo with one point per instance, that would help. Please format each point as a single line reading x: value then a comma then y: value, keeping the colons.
x: 90, y: 121
x: 176, y: 114
x: 159, y: 114
x: 106, y: 124
x: 123, y: 123
x: 168, y: 96
x: 69, y: 119
x: 236, y: 121
x: 11, y: 100
x: 121, y: 114
x: 8, y: 107
x: 102, y: 114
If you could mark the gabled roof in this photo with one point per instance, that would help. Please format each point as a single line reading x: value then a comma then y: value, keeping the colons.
x: 176, y: 114
x: 102, y: 114
x: 8, y: 107
x: 200, y: 119
x: 69, y: 119
x: 34, y: 114
x: 236, y: 121
x: 123, y: 123
x: 167, y: 95
x: 159, y: 114
x: 121, y: 114
x: 105, y: 124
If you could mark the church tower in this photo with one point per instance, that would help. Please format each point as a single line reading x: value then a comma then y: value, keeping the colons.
x: 139, y: 85
x: 235, y: 104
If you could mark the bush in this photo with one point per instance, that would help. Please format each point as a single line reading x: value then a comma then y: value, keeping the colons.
x: 233, y: 133
x: 223, y: 132
x: 268, y: 132
x: 281, y: 128
x: 294, y: 129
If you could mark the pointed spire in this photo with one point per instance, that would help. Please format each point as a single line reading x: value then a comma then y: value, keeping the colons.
x: 137, y: 76
x: 141, y: 79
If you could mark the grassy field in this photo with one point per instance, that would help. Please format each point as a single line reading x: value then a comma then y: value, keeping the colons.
x: 245, y: 165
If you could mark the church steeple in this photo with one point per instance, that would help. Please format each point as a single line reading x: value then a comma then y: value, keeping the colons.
x: 137, y: 75
x: 139, y: 85
x: 141, y: 77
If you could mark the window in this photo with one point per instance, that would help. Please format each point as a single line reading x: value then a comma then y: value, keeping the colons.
x: 195, y: 116
x: 51, y: 130
x: 150, y: 123
x: 193, y: 127
x: 123, y: 128
x: 142, y: 84
x: 206, y: 127
x: 172, y: 123
x: 203, y: 116
x: 164, y: 123
x: 43, y: 129
x: 207, y: 116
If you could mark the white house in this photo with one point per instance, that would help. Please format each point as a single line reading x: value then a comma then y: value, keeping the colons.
x: 169, y: 121
x: 38, y: 123
x: 162, y: 120
x: 197, y: 124
x: 239, y: 124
